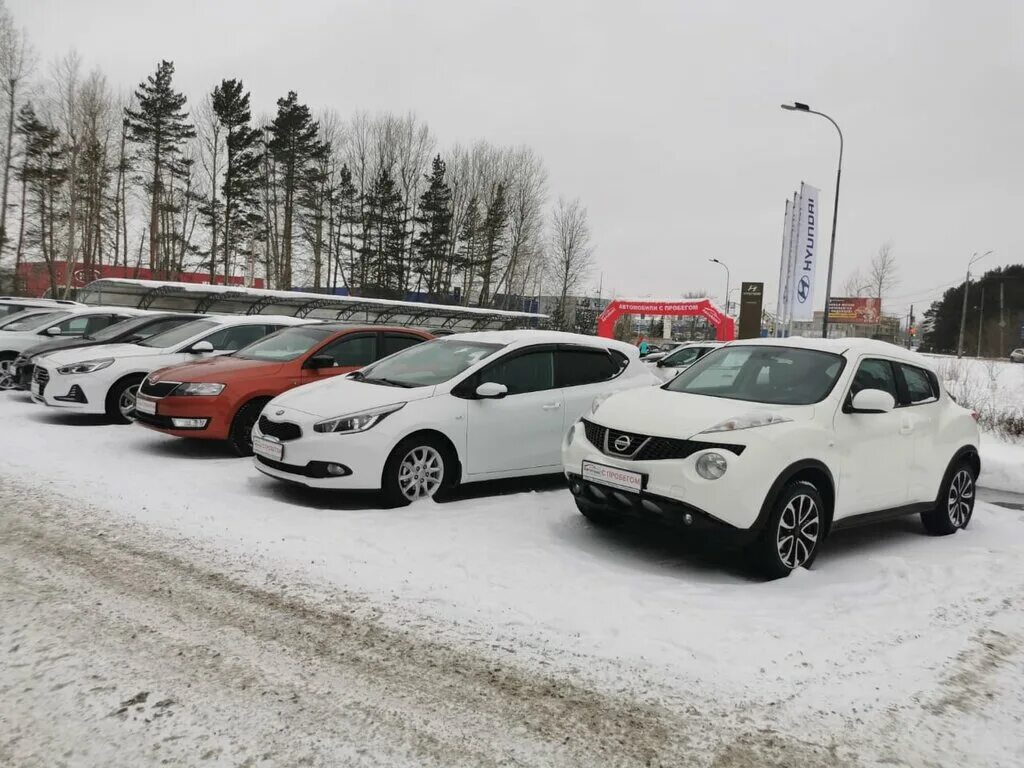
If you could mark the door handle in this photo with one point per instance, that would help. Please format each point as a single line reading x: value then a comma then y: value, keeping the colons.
x: 551, y: 406
x: 906, y: 428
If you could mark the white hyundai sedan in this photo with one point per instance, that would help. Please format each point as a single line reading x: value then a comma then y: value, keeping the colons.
x: 468, y: 407
x: 777, y: 442
x: 106, y: 379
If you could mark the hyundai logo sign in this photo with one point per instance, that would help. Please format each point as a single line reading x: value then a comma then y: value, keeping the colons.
x: 622, y: 443
x: 803, y: 289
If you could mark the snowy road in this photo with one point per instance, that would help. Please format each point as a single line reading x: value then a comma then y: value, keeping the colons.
x: 261, y: 622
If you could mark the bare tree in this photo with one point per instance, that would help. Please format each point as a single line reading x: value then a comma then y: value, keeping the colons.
x: 882, y: 274
x: 856, y: 284
x: 16, y: 63
x: 571, y: 257
x: 211, y: 136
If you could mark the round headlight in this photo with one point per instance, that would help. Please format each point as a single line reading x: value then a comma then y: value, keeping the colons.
x: 711, y: 466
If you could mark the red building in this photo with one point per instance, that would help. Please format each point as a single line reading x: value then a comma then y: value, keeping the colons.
x: 34, y: 277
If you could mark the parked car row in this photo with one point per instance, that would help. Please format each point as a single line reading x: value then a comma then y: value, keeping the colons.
x: 771, y: 444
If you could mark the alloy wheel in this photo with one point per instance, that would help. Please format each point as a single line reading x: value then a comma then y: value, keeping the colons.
x: 126, y: 403
x: 421, y: 473
x: 799, y: 526
x: 961, y: 495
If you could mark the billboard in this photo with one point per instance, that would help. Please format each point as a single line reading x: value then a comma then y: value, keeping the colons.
x: 806, y: 247
x: 751, y: 300
x: 857, y: 310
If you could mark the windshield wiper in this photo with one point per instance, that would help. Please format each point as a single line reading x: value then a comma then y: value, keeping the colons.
x: 357, y: 375
x: 387, y: 382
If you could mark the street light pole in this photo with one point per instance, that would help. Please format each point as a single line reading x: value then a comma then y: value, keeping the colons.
x: 963, y: 310
x: 796, y: 106
x: 726, y: 284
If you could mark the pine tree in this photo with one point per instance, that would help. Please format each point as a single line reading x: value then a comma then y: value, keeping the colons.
x: 294, y: 147
x: 347, y: 215
x: 241, y: 174
x: 492, y: 241
x: 435, y: 223
x: 468, y: 254
x: 383, y: 234
x: 160, y: 127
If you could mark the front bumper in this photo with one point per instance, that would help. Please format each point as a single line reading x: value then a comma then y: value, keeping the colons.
x: 216, y: 421
x: 363, y: 454
x: 81, y: 393
x: 673, y: 488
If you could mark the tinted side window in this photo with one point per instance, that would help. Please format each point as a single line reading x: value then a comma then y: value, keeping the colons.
x: 530, y: 372
x: 394, y: 342
x: 577, y: 367
x: 158, y: 327
x: 99, y: 322
x: 74, y: 326
x: 875, y: 374
x: 233, y: 339
x: 351, y: 351
x: 919, y: 386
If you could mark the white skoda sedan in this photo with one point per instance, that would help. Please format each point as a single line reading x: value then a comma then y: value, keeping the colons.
x: 464, y: 408
x: 778, y: 442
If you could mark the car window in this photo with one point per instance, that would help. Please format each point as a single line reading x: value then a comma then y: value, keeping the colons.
x: 236, y: 337
x: 75, y: 326
x: 178, y: 334
x: 684, y: 356
x: 99, y: 322
x: 429, y: 364
x: 31, y: 322
x: 352, y: 351
x: 287, y: 344
x: 160, y: 326
x: 528, y: 372
x: 577, y: 367
x: 919, y: 387
x: 394, y: 342
x: 875, y: 374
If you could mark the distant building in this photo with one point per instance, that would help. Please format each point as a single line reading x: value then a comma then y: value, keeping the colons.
x: 886, y: 330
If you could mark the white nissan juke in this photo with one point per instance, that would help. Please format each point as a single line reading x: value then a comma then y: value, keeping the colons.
x: 774, y: 443
x: 467, y: 407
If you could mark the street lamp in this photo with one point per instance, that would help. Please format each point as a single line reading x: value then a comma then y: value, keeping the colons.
x: 716, y: 261
x: 796, y: 106
x: 963, y: 311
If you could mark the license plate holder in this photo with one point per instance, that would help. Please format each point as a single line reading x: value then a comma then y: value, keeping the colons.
x: 146, y: 406
x: 268, y: 449
x: 613, y: 477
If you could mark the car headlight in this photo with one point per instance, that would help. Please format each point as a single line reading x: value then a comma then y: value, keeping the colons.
x: 711, y: 466
x: 357, y: 422
x: 748, y: 421
x: 198, y: 388
x: 88, y: 366
x: 596, y: 403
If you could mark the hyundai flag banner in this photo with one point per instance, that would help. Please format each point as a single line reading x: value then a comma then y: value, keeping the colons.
x: 802, y: 297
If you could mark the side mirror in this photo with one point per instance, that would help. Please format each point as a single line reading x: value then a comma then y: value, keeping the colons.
x: 200, y: 347
x: 53, y: 330
x: 491, y: 390
x: 320, y: 361
x: 872, y: 401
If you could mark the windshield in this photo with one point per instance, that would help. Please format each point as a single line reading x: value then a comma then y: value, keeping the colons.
x: 286, y: 344
x: 178, y: 335
x: 115, y: 330
x: 427, y: 364
x: 34, y: 322
x: 762, y: 374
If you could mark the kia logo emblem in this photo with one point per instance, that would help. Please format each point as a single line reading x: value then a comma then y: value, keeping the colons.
x: 622, y: 443
x: 279, y: 412
x: 803, y: 288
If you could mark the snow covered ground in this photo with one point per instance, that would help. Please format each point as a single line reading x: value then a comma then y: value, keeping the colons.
x: 897, y: 648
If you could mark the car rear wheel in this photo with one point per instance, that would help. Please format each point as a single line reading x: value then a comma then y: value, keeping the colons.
x: 7, y: 380
x: 418, y: 468
x: 120, y: 404
x: 240, y: 436
x: 956, y: 502
x: 794, y: 531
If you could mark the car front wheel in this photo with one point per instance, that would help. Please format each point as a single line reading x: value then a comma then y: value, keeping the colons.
x: 418, y: 468
x: 794, y: 531
x: 121, y: 398
x: 956, y: 503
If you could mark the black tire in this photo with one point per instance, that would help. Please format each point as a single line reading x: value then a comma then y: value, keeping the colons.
x: 955, y: 505
x: 7, y: 379
x: 240, y: 434
x: 435, y: 454
x: 122, y: 390
x: 597, y: 514
x: 798, y: 507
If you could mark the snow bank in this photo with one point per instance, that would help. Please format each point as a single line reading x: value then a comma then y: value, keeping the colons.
x: 1002, y: 466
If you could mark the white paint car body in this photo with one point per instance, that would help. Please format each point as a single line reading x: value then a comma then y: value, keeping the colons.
x: 655, y: 453
x: 480, y: 437
x: 62, y: 321
x: 57, y: 382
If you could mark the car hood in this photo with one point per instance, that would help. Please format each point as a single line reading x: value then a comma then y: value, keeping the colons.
x: 49, y: 347
x: 219, y: 368
x: 656, y: 411
x: 338, y: 396
x: 117, y: 351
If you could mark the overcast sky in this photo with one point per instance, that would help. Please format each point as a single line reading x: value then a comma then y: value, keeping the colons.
x: 663, y: 117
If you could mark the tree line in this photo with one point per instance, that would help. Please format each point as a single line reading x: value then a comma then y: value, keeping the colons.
x: 370, y: 204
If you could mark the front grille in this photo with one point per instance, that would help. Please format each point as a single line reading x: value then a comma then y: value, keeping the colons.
x: 160, y: 389
x: 41, y: 376
x: 282, y: 430
x: 651, y: 448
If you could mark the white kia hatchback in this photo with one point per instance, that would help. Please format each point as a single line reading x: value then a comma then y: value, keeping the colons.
x: 467, y: 407
x: 778, y: 442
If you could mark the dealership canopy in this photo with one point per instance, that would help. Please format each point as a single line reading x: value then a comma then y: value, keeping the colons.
x: 233, y: 300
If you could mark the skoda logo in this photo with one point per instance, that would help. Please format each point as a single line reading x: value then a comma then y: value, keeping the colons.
x: 622, y: 443
x: 803, y: 288
x: 279, y: 412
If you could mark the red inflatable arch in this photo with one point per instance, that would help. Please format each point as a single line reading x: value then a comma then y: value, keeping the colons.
x: 725, y: 328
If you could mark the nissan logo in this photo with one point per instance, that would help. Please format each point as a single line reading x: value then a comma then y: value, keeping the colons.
x: 622, y: 443
x: 803, y: 288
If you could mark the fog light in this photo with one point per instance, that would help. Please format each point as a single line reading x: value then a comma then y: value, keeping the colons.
x: 335, y: 469
x: 711, y: 466
x: 189, y: 423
